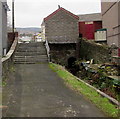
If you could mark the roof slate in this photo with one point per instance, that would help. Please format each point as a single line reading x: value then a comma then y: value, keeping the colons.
x: 90, y: 17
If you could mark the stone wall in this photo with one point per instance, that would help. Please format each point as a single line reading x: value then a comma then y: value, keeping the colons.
x: 61, y: 27
x: 90, y: 50
x: 60, y: 53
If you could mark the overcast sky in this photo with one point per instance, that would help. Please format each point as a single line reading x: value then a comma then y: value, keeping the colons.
x: 30, y: 13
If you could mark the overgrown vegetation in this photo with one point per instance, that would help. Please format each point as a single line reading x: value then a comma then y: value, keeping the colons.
x: 103, y: 77
x: 71, y: 81
x: 91, y: 50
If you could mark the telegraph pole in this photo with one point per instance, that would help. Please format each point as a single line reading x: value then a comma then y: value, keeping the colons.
x: 13, y: 19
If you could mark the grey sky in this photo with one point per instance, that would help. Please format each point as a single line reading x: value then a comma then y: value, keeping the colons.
x: 31, y: 12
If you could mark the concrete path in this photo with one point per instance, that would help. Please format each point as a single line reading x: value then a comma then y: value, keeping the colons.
x: 37, y: 91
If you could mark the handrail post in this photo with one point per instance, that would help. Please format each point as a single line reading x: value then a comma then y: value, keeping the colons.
x: 48, y: 50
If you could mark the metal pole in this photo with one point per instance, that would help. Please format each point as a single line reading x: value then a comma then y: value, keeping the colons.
x: 13, y: 21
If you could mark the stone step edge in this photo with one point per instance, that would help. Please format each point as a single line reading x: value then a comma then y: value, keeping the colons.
x: 30, y: 62
x: 30, y: 51
x: 37, y: 57
x: 29, y: 55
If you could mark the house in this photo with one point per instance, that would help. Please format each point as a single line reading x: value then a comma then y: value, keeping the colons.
x: 111, y: 21
x: 3, y: 27
x: 88, y: 24
x: 61, y: 27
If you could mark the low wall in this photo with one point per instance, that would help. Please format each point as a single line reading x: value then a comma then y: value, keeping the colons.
x: 7, y: 61
x: 90, y: 50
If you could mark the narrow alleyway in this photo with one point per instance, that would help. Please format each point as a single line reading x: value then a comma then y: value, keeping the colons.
x: 37, y: 91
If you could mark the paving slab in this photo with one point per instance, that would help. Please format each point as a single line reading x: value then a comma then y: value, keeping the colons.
x: 37, y: 91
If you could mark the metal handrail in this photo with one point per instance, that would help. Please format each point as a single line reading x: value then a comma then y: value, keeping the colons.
x: 48, y: 50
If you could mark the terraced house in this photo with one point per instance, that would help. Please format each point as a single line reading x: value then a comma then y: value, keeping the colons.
x: 111, y: 21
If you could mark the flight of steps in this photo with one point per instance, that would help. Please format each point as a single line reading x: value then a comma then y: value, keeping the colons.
x: 30, y: 53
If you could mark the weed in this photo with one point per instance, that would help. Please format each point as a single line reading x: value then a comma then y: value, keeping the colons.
x: 102, y: 103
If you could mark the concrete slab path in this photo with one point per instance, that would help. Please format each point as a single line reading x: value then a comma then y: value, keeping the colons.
x: 37, y: 91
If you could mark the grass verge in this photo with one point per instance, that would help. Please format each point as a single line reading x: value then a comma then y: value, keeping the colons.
x: 101, y: 102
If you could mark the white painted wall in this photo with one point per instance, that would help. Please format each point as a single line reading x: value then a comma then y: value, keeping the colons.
x: 4, y: 29
x: 0, y: 29
x: 0, y: 58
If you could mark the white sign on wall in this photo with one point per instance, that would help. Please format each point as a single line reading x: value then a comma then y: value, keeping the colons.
x: 89, y: 22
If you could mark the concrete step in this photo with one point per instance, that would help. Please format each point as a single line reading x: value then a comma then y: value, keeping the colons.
x: 31, y: 56
x: 31, y: 50
x: 31, y: 44
x: 24, y: 62
x: 29, y: 62
x: 31, y: 59
x: 29, y: 53
x: 41, y: 46
x: 31, y: 47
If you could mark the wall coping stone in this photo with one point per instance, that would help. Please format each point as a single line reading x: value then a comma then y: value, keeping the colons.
x: 11, y: 51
